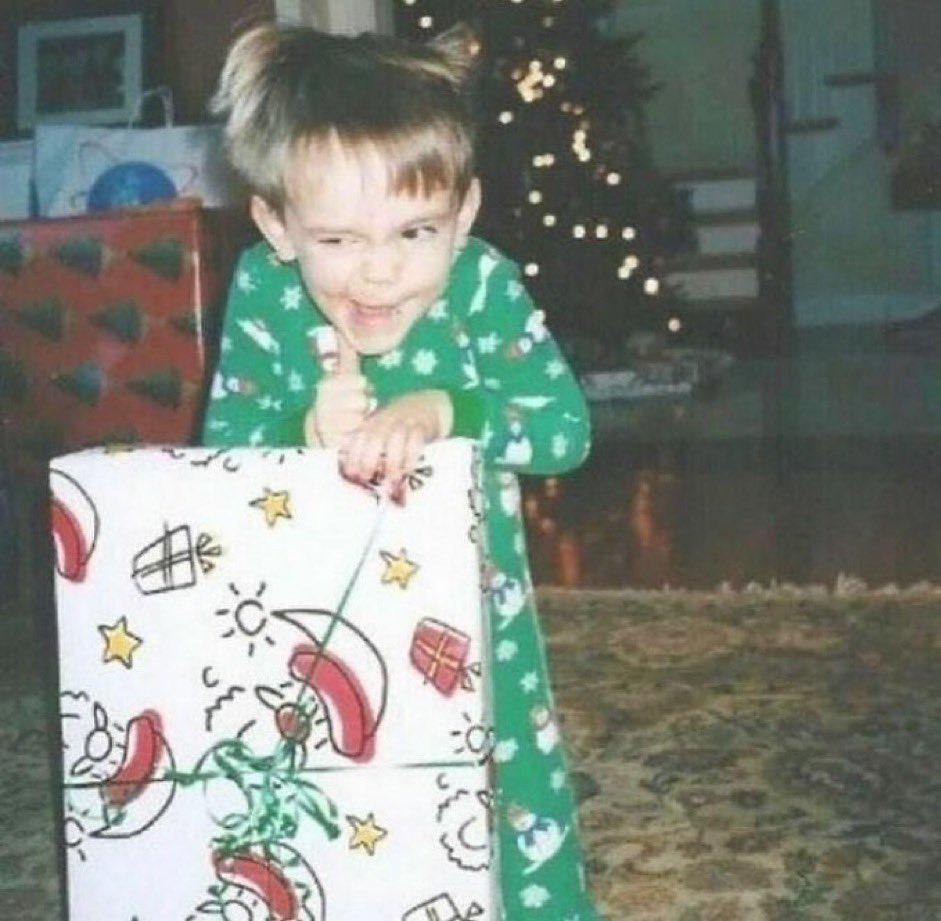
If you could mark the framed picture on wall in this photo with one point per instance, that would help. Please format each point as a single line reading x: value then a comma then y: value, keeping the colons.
x: 87, y: 71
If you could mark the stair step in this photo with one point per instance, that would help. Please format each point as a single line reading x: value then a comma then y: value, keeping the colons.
x: 686, y: 177
x: 710, y: 262
x: 724, y: 305
x: 733, y: 216
x: 727, y: 239
x: 717, y: 195
x: 716, y: 284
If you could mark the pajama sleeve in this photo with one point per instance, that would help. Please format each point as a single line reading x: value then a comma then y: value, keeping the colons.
x: 527, y: 410
x: 246, y: 400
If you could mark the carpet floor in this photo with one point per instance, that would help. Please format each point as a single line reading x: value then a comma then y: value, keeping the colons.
x: 755, y: 755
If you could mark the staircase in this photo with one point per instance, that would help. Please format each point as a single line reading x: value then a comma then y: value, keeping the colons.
x: 721, y: 276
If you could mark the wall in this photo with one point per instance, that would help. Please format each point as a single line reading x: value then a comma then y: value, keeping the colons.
x: 197, y: 35
x: 857, y: 259
x: 701, y: 53
x: 189, y: 46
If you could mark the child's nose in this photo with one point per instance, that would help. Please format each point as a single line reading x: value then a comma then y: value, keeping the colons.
x: 381, y: 263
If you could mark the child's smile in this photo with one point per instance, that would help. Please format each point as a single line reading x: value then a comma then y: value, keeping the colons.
x: 373, y: 260
x: 373, y: 316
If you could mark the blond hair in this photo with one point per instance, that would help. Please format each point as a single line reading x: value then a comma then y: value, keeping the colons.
x: 282, y: 88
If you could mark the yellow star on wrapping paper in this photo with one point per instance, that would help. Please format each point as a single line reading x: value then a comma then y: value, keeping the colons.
x: 120, y: 643
x: 399, y: 569
x: 274, y: 505
x: 366, y: 833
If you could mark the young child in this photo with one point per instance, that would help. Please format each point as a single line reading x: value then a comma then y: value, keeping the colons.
x: 359, y: 156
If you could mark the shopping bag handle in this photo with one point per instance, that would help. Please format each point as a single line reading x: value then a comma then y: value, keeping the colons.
x: 165, y: 95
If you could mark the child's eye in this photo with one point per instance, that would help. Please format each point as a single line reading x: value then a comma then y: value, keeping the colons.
x: 423, y: 231
x: 337, y: 239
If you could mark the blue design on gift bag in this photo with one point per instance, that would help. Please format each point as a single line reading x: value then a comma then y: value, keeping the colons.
x: 129, y: 185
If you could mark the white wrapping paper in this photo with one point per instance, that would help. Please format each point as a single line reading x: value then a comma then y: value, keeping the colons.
x: 273, y: 701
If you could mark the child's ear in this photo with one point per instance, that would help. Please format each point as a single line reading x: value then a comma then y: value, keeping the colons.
x: 468, y: 211
x: 271, y: 225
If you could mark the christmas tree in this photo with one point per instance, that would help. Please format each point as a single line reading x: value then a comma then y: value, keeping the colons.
x: 570, y: 190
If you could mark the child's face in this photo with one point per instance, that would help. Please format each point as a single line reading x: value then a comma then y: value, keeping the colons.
x: 374, y: 261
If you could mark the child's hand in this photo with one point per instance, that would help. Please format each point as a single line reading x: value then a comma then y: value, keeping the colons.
x: 344, y: 399
x: 388, y: 444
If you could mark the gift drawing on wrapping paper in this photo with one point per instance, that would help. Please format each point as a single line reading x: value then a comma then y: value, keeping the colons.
x: 272, y: 700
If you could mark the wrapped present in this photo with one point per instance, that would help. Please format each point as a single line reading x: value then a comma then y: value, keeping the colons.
x: 264, y: 711
x: 439, y: 652
x: 102, y: 326
x: 173, y: 560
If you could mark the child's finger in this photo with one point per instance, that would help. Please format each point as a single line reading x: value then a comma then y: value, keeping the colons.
x: 395, y: 467
x: 325, y: 339
x: 348, y: 390
x: 347, y: 356
x: 414, y: 446
x: 372, y: 454
x: 349, y: 454
x: 353, y: 453
x: 355, y: 399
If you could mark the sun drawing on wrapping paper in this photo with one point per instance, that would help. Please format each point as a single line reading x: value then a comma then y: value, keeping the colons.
x: 249, y: 618
x: 473, y: 738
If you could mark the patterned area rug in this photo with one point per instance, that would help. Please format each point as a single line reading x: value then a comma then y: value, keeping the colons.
x: 762, y: 755
x: 768, y: 755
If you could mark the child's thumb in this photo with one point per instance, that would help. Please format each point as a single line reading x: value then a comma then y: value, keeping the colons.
x: 348, y: 357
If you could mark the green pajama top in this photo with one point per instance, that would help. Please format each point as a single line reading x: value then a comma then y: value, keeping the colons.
x: 485, y: 344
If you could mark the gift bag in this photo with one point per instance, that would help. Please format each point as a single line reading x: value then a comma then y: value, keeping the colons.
x: 79, y: 168
x: 272, y: 695
x: 16, y: 180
